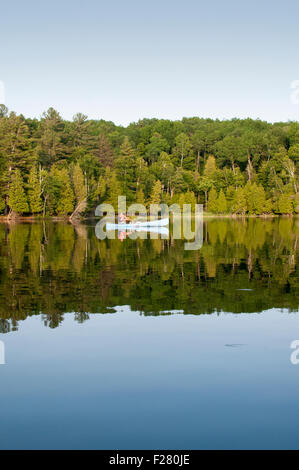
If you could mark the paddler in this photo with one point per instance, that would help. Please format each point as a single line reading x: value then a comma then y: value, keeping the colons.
x: 122, y: 218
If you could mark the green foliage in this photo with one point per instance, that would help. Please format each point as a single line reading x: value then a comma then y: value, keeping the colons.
x: 187, y: 198
x: 2, y: 204
x: 156, y: 193
x: 16, y: 196
x: 182, y: 147
x: 65, y: 204
x: 210, y: 166
x: 213, y: 201
x: 296, y: 203
x: 60, y: 195
x: 285, y: 205
x: 114, y: 190
x: 125, y: 166
x: 79, y: 184
x: 34, y: 192
x: 239, y: 202
x: 255, y: 198
x: 221, y: 203
x: 140, y: 197
x: 189, y: 156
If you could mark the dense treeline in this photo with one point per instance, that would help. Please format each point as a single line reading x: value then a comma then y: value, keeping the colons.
x: 56, y: 167
x: 54, y: 268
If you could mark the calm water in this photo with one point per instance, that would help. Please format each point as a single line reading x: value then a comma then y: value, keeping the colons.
x: 141, y: 344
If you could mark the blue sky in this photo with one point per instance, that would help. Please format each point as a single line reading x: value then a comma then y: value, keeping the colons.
x: 125, y: 60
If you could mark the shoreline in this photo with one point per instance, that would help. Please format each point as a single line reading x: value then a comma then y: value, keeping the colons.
x: 17, y: 219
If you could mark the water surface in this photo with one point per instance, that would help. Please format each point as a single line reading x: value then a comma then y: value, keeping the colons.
x: 141, y: 344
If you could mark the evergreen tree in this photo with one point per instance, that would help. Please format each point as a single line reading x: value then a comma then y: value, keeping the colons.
x: 17, y: 197
x: 114, y: 191
x: 239, y: 203
x: 65, y: 203
x: 102, y: 186
x: 156, y: 193
x: 140, y: 197
x: 221, y: 203
x: 34, y: 192
x: 51, y: 143
x: 268, y: 206
x: 285, y: 205
x: 255, y: 198
x: 189, y: 198
x: 125, y: 166
x: 230, y: 194
x: 259, y: 199
x: 212, y: 202
x: 156, y: 146
x: 104, y: 152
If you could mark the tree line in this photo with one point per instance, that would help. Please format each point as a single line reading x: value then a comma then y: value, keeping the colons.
x: 54, y: 167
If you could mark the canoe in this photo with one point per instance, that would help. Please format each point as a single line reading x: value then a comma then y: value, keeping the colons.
x: 133, y: 225
x: 137, y: 228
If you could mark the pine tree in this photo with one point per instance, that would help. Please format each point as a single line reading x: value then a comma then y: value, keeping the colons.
x: 34, y: 192
x: 114, y: 191
x: 188, y: 198
x: 102, y: 186
x: 255, y: 198
x: 181, y: 200
x: 268, y: 206
x: 259, y: 199
x: 285, y: 205
x: 65, y: 204
x: 230, y: 194
x: 156, y: 193
x: 140, y: 197
x: 17, y: 196
x: 239, y: 203
x: 105, y: 152
x: 212, y: 202
x: 125, y: 166
x: 221, y: 203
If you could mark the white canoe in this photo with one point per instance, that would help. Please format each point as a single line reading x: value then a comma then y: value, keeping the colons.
x: 137, y: 228
x: 149, y: 223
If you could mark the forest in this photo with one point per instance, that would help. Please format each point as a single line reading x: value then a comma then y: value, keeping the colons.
x: 54, y: 167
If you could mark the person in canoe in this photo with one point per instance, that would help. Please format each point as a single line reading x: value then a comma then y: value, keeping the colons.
x: 123, y: 219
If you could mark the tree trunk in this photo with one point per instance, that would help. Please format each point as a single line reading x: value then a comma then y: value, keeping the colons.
x: 197, y: 161
x: 249, y: 168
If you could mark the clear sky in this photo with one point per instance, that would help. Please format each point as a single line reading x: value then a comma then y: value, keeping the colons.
x: 123, y: 60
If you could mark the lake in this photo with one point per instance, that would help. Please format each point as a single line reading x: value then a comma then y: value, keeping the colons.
x: 140, y: 344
